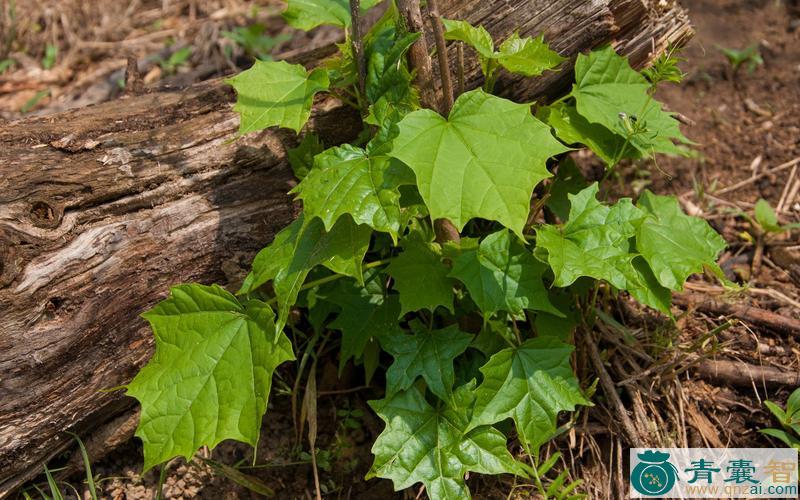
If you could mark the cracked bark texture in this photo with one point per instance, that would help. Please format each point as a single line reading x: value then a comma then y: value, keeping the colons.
x: 103, y: 208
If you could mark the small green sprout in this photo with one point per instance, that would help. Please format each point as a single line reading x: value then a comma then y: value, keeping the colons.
x: 6, y: 64
x: 767, y: 219
x: 253, y: 40
x: 176, y: 60
x: 750, y: 55
x: 351, y: 418
x: 665, y: 68
x: 789, y: 418
x: 33, y: 101
x: 50, y: 55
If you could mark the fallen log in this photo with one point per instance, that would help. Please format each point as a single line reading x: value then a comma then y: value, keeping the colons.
x: 103, y: 208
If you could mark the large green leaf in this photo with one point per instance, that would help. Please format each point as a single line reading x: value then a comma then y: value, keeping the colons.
x: 308, y: 14
x: 569, y: 180
x: 502, y: 275
x: 388, y: 76
x: 430, y: 445
x: 596, y: 242
x: 560, y: 327
x: 426, y: 353
x: 210, y: 376
x: 477, y: 38
x: 643, y: 286
x: 367, y: 313
x: 572, y: 128
x: 527, y: 56
x: 530, y: 384
x: 674, y: 244
x: 300, y: 247
x: 385, y: 116
x: 484, y: 161
x: 609, y: 92
x: 347, y: 181
x: 269, y: 261
x: 276, y: 93
x: 421, y: 278
x: 301, y: 158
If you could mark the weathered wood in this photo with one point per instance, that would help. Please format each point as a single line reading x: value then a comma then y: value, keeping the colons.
x: 103, y: 208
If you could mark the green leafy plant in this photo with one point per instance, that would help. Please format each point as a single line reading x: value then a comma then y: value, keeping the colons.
x: 175, y: 60
x: 55, y: 490
x: 524, y: 56
x: 423, y: 243
x: 767, y: 220
x: 350, y: 418
x: 751, y: 56
x: 87, y: 466
x: 5, y: 64
x: 789, y: 418
x: 50, y: 55
x: 254, y: 40
x: 665, y: 68
x: 558, y: 488
x: 56, y: 487
x: 34, y: 100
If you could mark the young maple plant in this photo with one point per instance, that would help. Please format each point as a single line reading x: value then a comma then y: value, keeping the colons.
x: 479, y: 326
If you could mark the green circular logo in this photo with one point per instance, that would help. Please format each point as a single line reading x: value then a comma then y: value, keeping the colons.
x: 654, y: 475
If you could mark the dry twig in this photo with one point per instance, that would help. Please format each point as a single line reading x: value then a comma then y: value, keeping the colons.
x: 134, y: 83
x: 750, y: 314
x: 610, y: 390
x: 789, y: 187
x: 744, y: 374
x: 740, y: 184
x: 769, y: 292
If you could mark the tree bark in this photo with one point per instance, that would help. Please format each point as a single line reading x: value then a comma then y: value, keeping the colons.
x: 103, y: 208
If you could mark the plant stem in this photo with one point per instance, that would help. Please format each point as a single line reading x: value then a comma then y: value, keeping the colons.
x: 311, y: 413
x: 162, y: 476
x: 418, y: 56
x: 460, y: 61
x: 441, y: 54
x: 358, y: 45
x: 446, y: 231
x: 537, y: 480
x: 490, y: 76
x: 333, y: 277
x: 296, y: 387
x: 516, y: 331
x: 419, y: 59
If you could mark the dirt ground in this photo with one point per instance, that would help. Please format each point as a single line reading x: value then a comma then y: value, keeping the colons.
x: 747, y: 128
